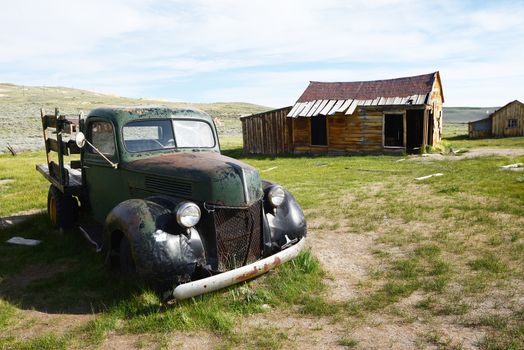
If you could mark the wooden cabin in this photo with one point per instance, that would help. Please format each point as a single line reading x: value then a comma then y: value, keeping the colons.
x: 507, y: 121
x: 381, y: 116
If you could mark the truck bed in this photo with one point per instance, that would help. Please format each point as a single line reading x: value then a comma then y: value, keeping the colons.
x: 74, y: 186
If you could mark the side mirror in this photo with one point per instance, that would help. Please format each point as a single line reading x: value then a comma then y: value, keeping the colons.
x: 80, y: 139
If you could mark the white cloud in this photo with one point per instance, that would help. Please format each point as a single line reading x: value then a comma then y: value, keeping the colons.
x: 268, y: 49
x: 62, y: 27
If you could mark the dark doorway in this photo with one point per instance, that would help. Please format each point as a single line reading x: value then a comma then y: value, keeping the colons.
x: 318, y: 131
x: 414, y: 130
x: 393, y: 130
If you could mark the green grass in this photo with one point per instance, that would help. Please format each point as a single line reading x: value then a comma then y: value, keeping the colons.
x: 456, y: 137
x: 505, y: 332
x: 490, y: 263
x: 47, y: 341
x: 465, y: 218
x: 452, y: 242
x: 7, y: 313
x: 259, y: 337
x: 348, y: 342
x: 28, y: 189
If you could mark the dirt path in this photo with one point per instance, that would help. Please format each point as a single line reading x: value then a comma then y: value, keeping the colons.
x: 472, y: 153
x: 347, y: 259
x: 485, y: 152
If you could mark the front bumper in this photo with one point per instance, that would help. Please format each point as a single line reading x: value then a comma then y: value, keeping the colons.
x: 244, y: 273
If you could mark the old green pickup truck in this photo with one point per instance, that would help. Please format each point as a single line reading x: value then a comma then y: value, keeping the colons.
x: 153, y: 193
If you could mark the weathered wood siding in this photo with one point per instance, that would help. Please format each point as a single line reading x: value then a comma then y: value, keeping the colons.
x: 436, y: 101
x: 267, y: 133
x: 513, y: 110
x: 359, y: 133
x: 480, y: 129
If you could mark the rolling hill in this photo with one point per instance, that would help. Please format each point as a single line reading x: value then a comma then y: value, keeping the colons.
x: 20, y: 110
x: 466, y: 114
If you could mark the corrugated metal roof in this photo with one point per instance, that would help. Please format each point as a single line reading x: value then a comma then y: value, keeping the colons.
x: 330, y: 98
x: 328, y: 107
x: 321, y: 107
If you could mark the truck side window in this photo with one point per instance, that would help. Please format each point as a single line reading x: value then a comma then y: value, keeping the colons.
x: 102, y: 137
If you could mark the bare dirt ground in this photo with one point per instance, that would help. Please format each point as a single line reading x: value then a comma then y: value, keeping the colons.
x: 472, y: 153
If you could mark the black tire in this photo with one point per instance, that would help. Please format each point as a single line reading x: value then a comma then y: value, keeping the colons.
x: 126, y: 261
x: 61, y: 209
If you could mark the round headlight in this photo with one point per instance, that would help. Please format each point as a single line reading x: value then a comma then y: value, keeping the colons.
x: 277, y: 196
x: 188, y: 214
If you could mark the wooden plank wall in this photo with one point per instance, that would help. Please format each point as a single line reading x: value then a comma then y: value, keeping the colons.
x: 358, y: 133
x: 514, y: 110
x: 479, y: 129
x: 267, y: 133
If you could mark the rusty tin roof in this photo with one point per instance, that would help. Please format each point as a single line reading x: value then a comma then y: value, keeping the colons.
x: 322, y: 98
x: 369, y: 90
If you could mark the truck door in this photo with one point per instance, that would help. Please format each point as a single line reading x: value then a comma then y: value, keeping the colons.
x: 102, y: 180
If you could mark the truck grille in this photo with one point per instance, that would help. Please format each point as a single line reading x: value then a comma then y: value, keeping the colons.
x: 239, y: 236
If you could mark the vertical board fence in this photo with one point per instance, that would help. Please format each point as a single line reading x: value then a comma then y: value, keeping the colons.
x: 267, y: 133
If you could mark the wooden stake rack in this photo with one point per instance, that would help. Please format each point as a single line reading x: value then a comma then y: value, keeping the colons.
x: 55, y: 127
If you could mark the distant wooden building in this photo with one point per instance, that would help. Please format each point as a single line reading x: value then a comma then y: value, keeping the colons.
x: 381, y: 116
x: 268, y: 132
x: 507, y: 121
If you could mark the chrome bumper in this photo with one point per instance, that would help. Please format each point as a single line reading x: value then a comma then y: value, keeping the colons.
x: 228, y: 278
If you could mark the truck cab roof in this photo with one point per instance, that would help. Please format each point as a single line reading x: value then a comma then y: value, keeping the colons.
x: 143, y: 131
x: 121, y: 115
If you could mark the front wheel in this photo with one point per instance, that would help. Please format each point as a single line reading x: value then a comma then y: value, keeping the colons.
x: 126, y: 261
x: 62, y: 209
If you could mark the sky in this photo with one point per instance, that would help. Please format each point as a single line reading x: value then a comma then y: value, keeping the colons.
x: 262, y: 51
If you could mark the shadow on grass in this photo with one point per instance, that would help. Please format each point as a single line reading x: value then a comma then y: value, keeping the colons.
x: 8, y: 221
x: 238, y: 153
x: 63, y: 274
x: 457, y: 137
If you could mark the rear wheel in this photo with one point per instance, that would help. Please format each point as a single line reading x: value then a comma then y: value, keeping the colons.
x: 62, y: 209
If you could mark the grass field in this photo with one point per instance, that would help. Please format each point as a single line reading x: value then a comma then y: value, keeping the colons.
x: 456, y: 137
x: 393, y: 262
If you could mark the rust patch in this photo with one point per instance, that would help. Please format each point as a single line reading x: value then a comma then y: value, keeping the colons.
x: 255, y: 272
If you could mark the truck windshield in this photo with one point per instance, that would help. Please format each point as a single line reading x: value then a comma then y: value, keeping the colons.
x: 151, y: 135
x: 192, y: 133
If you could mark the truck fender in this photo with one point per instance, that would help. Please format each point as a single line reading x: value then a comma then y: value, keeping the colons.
x: 162, y: 251
x: 287, y: 223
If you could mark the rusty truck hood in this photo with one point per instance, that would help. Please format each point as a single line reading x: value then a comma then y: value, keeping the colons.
x: 200, y: 176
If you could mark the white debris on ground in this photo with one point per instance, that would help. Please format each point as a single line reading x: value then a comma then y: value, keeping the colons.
x: 513, y: 167
x: 23, y: 241
x: 428, y: 176
x: 6, y: 182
